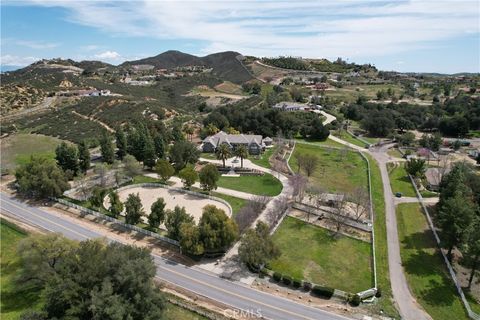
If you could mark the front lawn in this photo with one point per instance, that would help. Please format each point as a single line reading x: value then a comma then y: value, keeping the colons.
x: 424, y: 267
x: 266, y: 185
x: 263, y: 161
x: 337, y: 170
x: 326, y: 143
x: 399, y: 180
x: 311, y: 253
x: 235, y: 203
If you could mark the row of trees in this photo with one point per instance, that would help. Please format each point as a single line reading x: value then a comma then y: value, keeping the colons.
x: 458, y: 215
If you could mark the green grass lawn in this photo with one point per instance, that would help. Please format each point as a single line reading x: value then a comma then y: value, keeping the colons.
x: 18, y: 148
x: 385, y: 303
x: 260, y: 185
x: 424, y: 266
x: 334, y: 172
x: 429, y: 194
x: 400, y: 181
x: 174, y: 312
x: 349, y: 138
x: 326, y: 143
x: 311, y: 253
x: 395, y: 153
x: 263, y: 161
x: 14, y: 300
x: 208, y: 155
x: 235, y: 203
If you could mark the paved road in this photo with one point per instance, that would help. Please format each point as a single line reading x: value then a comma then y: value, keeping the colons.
x: 407, y: 305
x: 202, y: 283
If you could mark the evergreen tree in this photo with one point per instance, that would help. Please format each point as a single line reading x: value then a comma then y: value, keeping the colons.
x: 106, y: 148
x: 67, y: 157
x: 121, y: 141
x: 149, y: 154
x: 157, y: 213
x: 217, y: 231
x: 174, y: 219
x: 188, y: 176
x: 83, y: 156
x: 116, y: 206
x: 164, y: 169
x: 133, y: 209
x: 209, y: 176
x: 159, y: 146
x: 190, y: 239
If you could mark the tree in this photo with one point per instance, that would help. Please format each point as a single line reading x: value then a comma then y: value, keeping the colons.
x: 183, y: 153
x: 106, y: 148
x: 340, y: 216
x: 116, y: 206
x: 415, y: 167
x: 101, y: 169
x: 318, y: 131
x: 478, y: 158
x: 242, y: 153
x: 174, y: 219
x: 190, y: 239
x: 189, y: 131
x: 223, y: 152
x: 406, y: 139
x: 164, y: 169
x: 132, y: 166
x: 96, y: 199
x: 361, y: 203
x: 455, y: 216
x: 83, y: 157
x: 133, y: 209
x: 177, y: 134
x: 257, y: 247
x: 67, y: 157
x: 98, y: 280
x: 249, y: 212
x: 149, y: 154
x: 217, y: 231
x: 209, y: 176
x: 121, y: 142
x: 471, y: 249
x: 298, y: 183
x: 40, y: 177
x: 307, y: 162
x: 188, y: 176
x: 159, y: 143
x: 157, y: 213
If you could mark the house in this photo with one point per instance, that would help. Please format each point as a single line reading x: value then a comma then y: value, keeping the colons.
x: 291, y: 106
x: 268, y: 141
x: 254, y: 143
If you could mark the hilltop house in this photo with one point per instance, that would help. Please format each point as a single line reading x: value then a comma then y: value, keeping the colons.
x: 254, y: 143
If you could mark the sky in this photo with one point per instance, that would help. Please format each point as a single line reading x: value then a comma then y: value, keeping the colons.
x: 408, y: 36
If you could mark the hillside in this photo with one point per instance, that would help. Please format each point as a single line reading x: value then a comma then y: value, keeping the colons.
x: 167, y: 60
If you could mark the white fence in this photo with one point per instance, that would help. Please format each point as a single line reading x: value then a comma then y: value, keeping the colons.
x: 471, y: 314
x: 116, y: 221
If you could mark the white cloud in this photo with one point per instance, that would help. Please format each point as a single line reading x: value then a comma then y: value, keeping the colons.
x: 36, y: 44
x: 11, y: 60
x: 90, y: 47
x: 108, y: 55
x: 303, y: 28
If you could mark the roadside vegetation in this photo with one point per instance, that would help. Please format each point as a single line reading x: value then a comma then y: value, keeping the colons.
x: 266, y: 184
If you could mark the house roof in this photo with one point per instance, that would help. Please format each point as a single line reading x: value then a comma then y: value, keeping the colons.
x: 222, y: 137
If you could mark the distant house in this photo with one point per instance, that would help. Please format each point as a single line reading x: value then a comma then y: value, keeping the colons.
x: 254, y: 143
x: 291, y: 106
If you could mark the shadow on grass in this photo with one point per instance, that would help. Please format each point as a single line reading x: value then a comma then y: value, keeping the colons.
x: 440, y: 293
x: 418, y: 241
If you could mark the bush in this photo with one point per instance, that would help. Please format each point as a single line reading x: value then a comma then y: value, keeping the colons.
x: 277, y: 276
x: 325, y: 292
x: 355, y: 300
x: 378, y: 294
x: 307, y: 286
x: 264, y: 272
x: 287, y: 280
x: 297, y: 283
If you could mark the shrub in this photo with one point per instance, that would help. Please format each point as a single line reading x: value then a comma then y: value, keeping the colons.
x: 297, y: 283
x: 378, y: 294
x: 307, y: 286
x: 355, y: 300
x: 277, y: 276
x: 325, y: 292
x: 264, y: 271
x: 287, y: 280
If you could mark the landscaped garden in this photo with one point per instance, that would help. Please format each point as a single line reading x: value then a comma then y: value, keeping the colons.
x: 399, y: 180
x: 266, y: 184
x: 337, y: 170
x: 424, y: 267
x: 311, y: 253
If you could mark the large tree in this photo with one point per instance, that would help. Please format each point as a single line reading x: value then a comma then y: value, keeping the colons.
x: 190, y: 241
x: 67, y: 157
x: 174, y: 220
x: 223, y: 152
x: 83, y: 157
x: 471, y: 249
x: 157, y: 213
x: 416, y: 167
x: 94, y: 279
x: 188, y: 176
x: 133, y: 209
x: 242, y: 153
x: 107, y: 150
x: 40, y: 177
x: 116, y: 206
x: 209, y: 176
x: 164, y: 169
x: 149, y: 154
x: 131, y: 166
x: 257, y: 247
x: 217, y: 231
x: 318, y: 131
x: 121, y: 142
x: 183, y: 153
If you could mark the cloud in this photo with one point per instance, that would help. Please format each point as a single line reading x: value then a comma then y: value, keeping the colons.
x: 36, y: 44
x: 108, y: 55
x: 90, y: 47
x: 12, y: 60
x: 354, y: 29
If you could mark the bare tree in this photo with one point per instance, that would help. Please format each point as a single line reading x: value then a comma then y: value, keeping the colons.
x: 83, y: 187
x: 280, y: 205
x: 298, y: 183
x: 249, y: 213
x: 360, y: 203
x: 310, y: 163
x: 340, y: 216
x: 443, y: 166
x: 101, y: 170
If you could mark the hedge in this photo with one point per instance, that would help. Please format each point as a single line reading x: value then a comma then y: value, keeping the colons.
x: 355, y: 300
x: 297, y: 283
x: 287, y: 280
x: 277, y: 276
x: 325, y: 292
x: 307, y: 286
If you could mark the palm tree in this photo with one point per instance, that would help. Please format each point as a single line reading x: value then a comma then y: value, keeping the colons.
x: 223, y: 152
x: 242, y: 153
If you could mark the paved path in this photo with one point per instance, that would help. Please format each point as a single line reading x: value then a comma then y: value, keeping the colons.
x: 432, y: 200
x: 236, y: 295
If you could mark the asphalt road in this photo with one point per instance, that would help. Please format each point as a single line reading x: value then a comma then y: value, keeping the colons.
x: 238, y: 296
